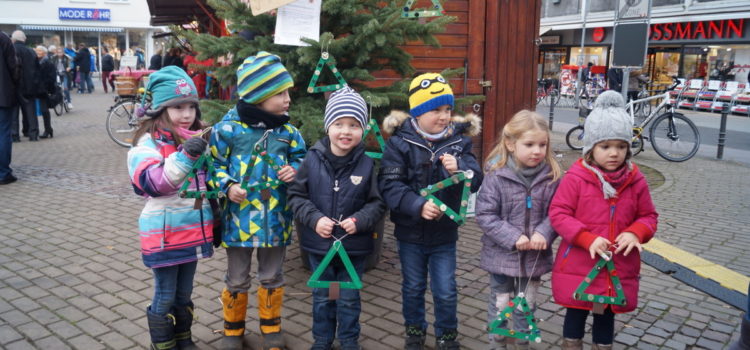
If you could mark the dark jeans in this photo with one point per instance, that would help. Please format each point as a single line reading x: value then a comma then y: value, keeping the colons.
x: 86, y: 84
x: 344, y: 311
x: 108, y: 79
x: 173, y: 285
x: 44, y: 109
x: 439, y: 262
x: 28, y: 118
x: 6, y: 145
x: 602, y: 332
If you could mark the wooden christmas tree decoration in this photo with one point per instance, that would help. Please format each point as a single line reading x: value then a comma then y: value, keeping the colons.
x: 459, y: 177
x: 336, y: 249
x: 598, y: 300
x: 372, y: 125
x: 436, y: 11
x: 518, y: 301
x: 205, y: 161
x: 262, y: 187
x: 325, y: 60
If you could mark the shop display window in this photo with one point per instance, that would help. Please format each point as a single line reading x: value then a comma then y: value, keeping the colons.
x: 596, y: 55
x: 552, y: 61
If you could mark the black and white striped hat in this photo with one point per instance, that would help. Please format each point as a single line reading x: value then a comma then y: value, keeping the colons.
x: 346, y: 102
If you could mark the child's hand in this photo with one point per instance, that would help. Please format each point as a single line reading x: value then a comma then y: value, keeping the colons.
x: 349, y: 225
x: 287, y: 173
x: 236, y: 193
x: 538, y: 242
x: 430, y: 211
x: 523, y: 243
x: 627, y: 241
x: 324, y: 227
x: 449, y: 162
x: 599, y: 247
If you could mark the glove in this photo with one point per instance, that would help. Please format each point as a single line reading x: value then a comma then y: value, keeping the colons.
x: 194, y: 146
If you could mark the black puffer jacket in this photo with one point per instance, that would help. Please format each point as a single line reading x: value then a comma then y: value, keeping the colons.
x: 46, y: 78
x: 83, y: 60
x: 351, y: 192
x: 410, y: 164
x: 29, y: 69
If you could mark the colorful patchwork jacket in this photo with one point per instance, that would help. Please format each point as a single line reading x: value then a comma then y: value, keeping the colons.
x: 257, y: 222
x: 172, y: 232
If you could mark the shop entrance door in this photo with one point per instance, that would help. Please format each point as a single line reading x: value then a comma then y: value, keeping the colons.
x: 662, y: 64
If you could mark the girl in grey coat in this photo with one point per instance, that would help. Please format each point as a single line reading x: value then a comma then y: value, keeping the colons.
x: 522, y: 175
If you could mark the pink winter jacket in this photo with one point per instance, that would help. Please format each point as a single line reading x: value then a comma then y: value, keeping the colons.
x: 579, y: 213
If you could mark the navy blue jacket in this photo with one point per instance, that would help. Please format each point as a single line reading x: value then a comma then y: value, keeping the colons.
x: 351, y: 191
x: 410, y: 164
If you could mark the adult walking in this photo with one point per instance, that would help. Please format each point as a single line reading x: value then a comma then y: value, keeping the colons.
x: 9, y: 76
x: 108, y: 65
x: 26, y: 57
x: 46, y: 79
x: 83, y: 66
x: 63, y: 67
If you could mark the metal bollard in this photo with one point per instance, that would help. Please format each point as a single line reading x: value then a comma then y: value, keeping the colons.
x: 551, y: 112
x: 722, y: 131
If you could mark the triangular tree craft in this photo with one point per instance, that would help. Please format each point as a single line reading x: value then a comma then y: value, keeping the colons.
x: 436, y: 11
x: 336, y: 248
x: 372, y: 125
x: 518, y: 301
x: 580, y: 293
x: 263, y: 187
x: 325, y: 60
x: 458, y: 177
x: 205, y: 161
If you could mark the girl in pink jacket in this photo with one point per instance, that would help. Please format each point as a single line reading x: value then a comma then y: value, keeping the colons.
x: 602, y: 206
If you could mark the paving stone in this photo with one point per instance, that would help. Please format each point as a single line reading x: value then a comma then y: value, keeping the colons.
x: 626, y: 339
x: 8, y: 334
x: 33, y: 331
x: 84, y: 341
x: 116, y: 341
x: 673, y: 344
x: 20, y: 345
x: 708, y: 343
x: 684, y: 339
x: 64, y: 329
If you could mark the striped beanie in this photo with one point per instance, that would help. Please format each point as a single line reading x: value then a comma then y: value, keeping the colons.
x: 262, y: 76
x: 427, y: 92
x: 346, y: 102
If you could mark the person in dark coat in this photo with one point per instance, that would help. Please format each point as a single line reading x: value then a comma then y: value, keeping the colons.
x: 28, y: 89
x: 614, y: 79
x: 155, y: 62
x: 83, y: 66
x: 108, y: 65
x: 46, y: 82
x: 9, y: 80
x: 174, y: 58
x: 335, y: 196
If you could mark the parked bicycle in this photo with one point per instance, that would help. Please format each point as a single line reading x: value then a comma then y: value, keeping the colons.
x: 547, y: 92
x: 673, y: 136
x: 59, y: 105
x: 121, y: 119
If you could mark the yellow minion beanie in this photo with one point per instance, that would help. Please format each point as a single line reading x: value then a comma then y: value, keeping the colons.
x: 427, y: 92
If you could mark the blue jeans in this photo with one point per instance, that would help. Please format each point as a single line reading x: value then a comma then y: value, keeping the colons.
x: 86, y: 85
x: 344, y: 311
x: 173, y: 285
x: 66, y: 87
x: 440, y: 262
x: 6, y: 145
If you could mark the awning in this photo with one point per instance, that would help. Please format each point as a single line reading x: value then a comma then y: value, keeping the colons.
x: 72, y: 29
x: 543, y: 30
x: 177, y: 11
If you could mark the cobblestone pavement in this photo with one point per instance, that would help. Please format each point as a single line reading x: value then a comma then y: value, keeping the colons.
x: 71, y: 275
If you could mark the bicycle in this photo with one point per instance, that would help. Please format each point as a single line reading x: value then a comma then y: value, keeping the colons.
x: 60, y: 105
x: 121, y: 119
x: 673, y: 136
x: 546, y: 92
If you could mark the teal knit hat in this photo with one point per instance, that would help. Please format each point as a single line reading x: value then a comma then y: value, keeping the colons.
x: 262, y: 76
x: 169, y: 86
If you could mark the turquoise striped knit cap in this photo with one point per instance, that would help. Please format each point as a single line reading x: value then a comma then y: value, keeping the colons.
x: 262, y: 76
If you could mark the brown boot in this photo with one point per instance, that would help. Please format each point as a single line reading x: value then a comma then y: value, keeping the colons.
x: 572, y: 344
x: 235, y: 310
x: 601, y: 347
x: 269, y: 312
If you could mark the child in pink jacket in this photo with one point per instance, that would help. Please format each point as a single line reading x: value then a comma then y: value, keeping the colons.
x: 602, y: 205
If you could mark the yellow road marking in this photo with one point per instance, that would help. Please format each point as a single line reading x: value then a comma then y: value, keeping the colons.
x: 702, y: 267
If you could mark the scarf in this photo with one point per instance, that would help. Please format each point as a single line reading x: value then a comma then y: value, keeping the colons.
x: 337, y: 162
x: 251, y: 115
x: 611, y: 180
x: 527, y: 175
x: 446, y: 133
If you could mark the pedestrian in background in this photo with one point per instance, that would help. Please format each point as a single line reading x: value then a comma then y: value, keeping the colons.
x: 83, y: 67
x: 602, y: 208
x: 522, y: 177
x: 9, y: 99
x: 108, y: 65
x: 26, y: 57
x: 63, y: 67
x: 155, y: 62
x: 46, y: 83
x: 174, y: 233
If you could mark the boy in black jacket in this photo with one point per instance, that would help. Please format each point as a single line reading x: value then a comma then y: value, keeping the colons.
x: 335, y: 197
x: 427, y: 147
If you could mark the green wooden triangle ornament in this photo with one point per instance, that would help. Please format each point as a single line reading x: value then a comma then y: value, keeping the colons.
x: 325, y: 60
x: 580, y: 292
x: 518, y: 301
x: 461, y: 177
x: 259, y: 152
x: 372, y: 126
x: 204, y: 162
x: 336, y: 249
x: 435, y: 11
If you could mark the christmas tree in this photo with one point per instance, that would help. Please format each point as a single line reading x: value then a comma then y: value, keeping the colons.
x: 361, y: 36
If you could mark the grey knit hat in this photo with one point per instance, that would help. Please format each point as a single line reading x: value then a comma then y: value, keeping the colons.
x: 607, y: 121
x: 346, y: 102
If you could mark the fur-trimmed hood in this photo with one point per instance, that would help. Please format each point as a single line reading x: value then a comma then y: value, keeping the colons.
x: 470, y: 124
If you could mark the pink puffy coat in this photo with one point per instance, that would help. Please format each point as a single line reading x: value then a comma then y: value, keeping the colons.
x: 579, y: 213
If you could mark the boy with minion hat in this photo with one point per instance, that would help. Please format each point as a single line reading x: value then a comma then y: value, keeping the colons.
x: 256, y: 219
x: 427, y: 145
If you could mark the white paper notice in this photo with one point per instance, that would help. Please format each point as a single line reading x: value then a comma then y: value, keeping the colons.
x: 300, y: 19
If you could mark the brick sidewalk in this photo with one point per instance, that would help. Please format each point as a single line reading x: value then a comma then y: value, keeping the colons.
x: 71, y: 274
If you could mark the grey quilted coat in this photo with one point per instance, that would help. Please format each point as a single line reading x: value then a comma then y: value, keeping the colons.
x: 507, y: 209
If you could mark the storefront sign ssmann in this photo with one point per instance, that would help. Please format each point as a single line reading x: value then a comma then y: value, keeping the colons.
x: 729, y: 29
x: 81, y: 14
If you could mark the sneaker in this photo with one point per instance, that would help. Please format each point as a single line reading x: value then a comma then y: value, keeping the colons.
x: 448, y: 341
x: 415, y: 337
x: 322, y: 345
x: 70, y: 106
x: 350, y: 345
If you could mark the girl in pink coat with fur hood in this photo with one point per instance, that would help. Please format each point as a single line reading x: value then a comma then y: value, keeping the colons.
x: 602, y: 205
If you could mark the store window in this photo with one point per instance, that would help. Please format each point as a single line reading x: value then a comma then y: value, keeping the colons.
x: 663, y: 64
x: 552, y: 61
x: 44, y: 37
x: 595, y: 55
x: 695, y: 62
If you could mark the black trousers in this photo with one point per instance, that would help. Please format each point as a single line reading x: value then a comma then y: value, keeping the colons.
x: 602, y: 331
x: 30, y: 125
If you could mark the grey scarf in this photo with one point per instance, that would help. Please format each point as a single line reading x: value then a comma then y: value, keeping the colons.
x: 527, y: 175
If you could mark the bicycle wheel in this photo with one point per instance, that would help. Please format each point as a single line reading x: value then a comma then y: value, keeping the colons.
x: 636, y: 144
x: 65, y: 106
x: 675, y: 137
x: 574, y: 138
x: 58, y: 109
x: 121, y: 122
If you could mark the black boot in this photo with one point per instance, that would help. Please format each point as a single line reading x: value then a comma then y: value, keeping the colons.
x: 47, y: 134
x: 415, y: 337
x: 744, y: 342
x: 183, y: 320
x: 161, y: 329
x: 448, y: 341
